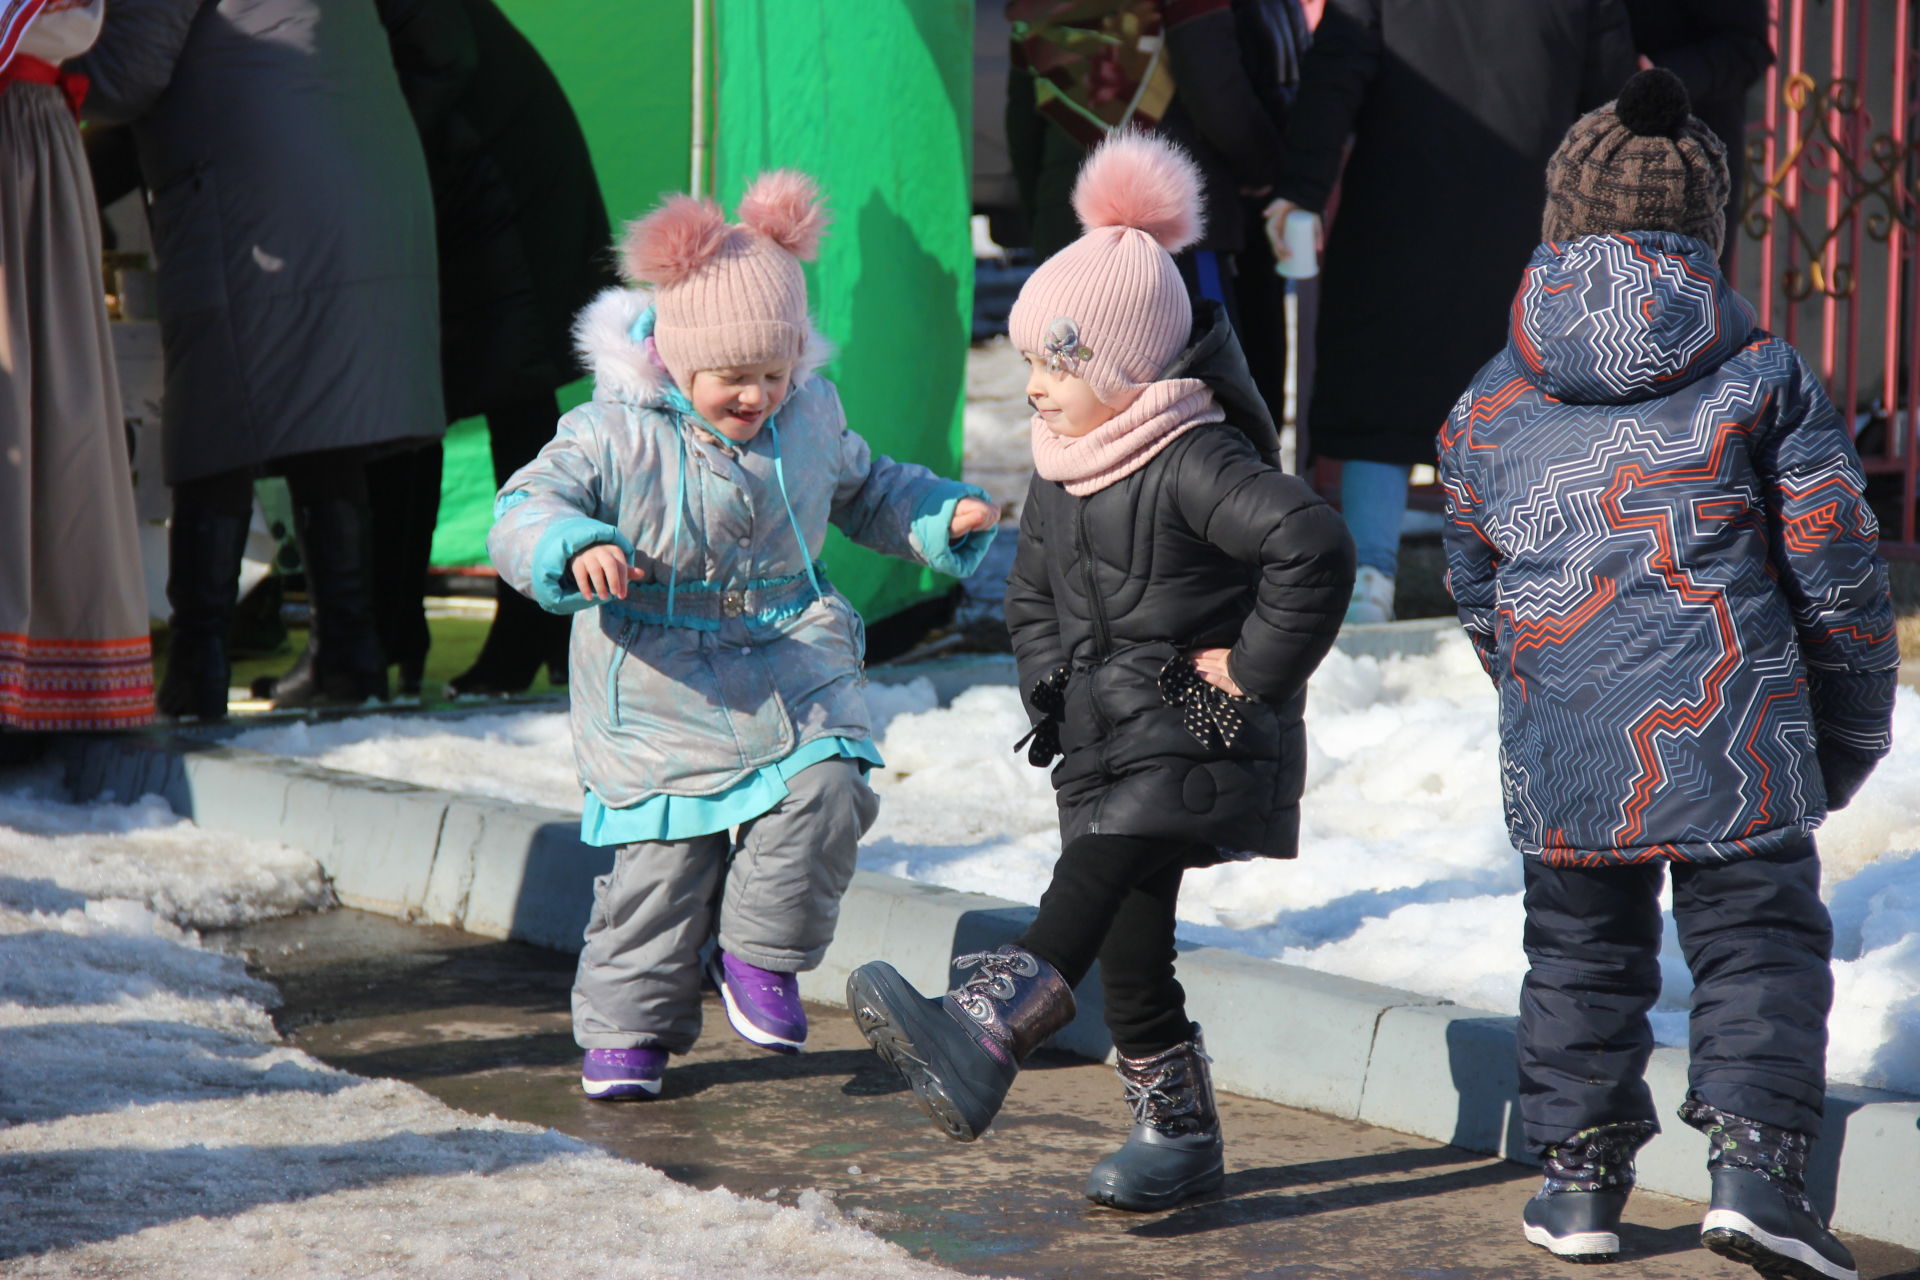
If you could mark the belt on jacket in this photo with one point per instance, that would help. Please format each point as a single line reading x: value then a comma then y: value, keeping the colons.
x: 705, y: 606
x: 32, y: 70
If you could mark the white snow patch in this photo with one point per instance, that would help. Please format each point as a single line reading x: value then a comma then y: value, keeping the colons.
x: 152, y: 1124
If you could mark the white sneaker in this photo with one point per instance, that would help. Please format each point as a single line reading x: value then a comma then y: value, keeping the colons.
x: 1372, y: 596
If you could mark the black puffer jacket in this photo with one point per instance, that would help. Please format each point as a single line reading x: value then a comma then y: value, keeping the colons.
x: 1208, y: 545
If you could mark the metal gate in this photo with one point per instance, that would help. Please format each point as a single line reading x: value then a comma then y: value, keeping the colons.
x: 1829, y: 241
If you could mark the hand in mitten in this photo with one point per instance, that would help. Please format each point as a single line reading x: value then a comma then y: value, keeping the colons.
x: 1843, y: 772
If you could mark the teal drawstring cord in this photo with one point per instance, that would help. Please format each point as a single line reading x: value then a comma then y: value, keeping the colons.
x: 679, y: 518
x: 780, y: 475
x: 640, y: 331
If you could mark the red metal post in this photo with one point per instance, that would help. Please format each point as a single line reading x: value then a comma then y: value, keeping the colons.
x: 1906, y: 427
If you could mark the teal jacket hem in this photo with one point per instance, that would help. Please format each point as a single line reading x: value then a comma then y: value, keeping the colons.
x: 666, y: 817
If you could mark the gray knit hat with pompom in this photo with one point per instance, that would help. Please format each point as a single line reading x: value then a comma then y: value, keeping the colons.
x: 1640, y: 163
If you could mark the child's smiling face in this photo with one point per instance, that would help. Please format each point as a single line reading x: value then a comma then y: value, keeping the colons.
x: 1063, y: 400
x: 737, y: 402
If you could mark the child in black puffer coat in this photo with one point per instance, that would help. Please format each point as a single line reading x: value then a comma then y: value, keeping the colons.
x: 1172, y: 593
x: 1659, y: 543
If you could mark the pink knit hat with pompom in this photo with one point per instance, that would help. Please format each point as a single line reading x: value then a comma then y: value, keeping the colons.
x: 727, y: 295
x: 1111, y: 306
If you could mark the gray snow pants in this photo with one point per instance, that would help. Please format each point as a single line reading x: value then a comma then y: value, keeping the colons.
x: 784, y: 873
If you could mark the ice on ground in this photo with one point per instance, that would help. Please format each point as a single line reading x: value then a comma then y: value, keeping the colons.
x: 152, y: 1124
x: 1405, y: 875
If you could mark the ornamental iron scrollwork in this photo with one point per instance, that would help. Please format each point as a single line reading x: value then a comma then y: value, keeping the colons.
x: 1878, y: 182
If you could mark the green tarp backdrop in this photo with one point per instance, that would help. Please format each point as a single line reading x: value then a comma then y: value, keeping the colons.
x: 873, y: 99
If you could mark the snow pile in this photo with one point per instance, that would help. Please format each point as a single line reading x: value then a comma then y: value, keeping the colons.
x: 1405, y: 877
x: 152, y: 1124
x: 144, y: 856
x: 525, y: 757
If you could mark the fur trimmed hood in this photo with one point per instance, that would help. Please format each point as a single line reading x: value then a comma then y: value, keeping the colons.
x: 624, y: 369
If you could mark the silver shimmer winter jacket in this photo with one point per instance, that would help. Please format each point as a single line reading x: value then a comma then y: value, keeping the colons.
x: 734, y: 650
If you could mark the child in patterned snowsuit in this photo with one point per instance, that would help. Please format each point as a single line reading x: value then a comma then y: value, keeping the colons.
x: 1658, y: 542
x: 719, y: 726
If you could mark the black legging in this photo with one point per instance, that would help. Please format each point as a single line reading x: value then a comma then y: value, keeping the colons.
x: 1113, y: 898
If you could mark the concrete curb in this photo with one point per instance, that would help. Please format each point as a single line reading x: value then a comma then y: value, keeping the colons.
x: 1293, y: 1036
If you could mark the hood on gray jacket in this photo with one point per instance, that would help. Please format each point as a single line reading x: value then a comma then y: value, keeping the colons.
x: 1613, y: 319
x: 614, y: 338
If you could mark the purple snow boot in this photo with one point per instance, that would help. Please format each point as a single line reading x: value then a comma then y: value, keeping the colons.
x: 613, y: 1075
x: 763, y: 1007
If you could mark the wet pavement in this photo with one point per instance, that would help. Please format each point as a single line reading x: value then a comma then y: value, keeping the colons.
x: 484, y: 1026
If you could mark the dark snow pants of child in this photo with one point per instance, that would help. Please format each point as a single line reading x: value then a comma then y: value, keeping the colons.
x: 1113, y: 898
x: 638, y: 985
x: 1757, y: 939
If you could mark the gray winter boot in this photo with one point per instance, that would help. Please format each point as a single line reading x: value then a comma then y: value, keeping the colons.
x: 961, y: 1051
x: 1174, y: 1152
x: 1760, y: 1214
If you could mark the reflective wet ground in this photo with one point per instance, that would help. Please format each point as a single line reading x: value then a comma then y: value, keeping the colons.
x: 484, y: 1025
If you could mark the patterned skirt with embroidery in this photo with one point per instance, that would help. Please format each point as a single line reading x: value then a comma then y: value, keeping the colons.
x: 74, y: 650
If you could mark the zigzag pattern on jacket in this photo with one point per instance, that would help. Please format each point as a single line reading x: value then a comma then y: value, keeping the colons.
x: 1658, y: 542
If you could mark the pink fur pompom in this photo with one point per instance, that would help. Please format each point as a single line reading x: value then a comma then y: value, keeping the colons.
x: 1140, y: 181
x: 673, y: 241
x: 784, y: 206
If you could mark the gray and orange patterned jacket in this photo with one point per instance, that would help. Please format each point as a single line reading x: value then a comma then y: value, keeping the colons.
x: 1659, y: 542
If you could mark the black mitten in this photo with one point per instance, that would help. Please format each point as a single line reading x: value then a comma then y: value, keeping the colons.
x: 1049, y: 697
x: 1843, y: 772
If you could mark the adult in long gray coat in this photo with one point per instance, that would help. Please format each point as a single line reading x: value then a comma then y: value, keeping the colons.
x: 293, y: 229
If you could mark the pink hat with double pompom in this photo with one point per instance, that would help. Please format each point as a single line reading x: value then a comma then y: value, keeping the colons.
x: 729, y: 294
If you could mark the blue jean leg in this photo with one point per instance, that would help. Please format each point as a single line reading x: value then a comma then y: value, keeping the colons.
x: 1373, y: 499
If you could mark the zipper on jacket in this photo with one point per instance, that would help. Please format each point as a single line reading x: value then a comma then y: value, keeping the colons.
x: 1103, y: 636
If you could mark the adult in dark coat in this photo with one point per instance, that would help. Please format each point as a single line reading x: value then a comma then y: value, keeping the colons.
x: 1719, y: 49
x: 1452, y: 111
x: 1231, y: 69
x: 524, y: 247
x: 293, y: 234
x: 1236, y: 67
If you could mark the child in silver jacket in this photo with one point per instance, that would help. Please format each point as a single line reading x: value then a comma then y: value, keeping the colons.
x: 719, y: 727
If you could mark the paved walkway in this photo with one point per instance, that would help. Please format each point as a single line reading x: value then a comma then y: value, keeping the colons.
x: 484, y: 1026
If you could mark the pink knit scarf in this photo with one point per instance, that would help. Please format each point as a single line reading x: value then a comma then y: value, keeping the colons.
x: 1125, y: 442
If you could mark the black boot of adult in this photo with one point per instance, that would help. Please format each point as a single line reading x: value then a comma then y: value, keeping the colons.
x: 204, y: 548
x: 523, y: 635
x: 342, y: 664
x: 403, y: 491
